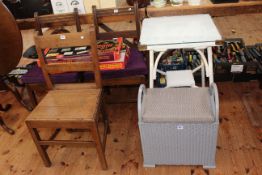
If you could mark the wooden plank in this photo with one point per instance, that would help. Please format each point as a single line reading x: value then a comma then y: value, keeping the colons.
x: 63, y: 40
x: 106, y: 19
x: 116, y: 34
x: 67, y: 143
x: 225, y: 9
x: 246, y: 26
x: 56, y: 68
x: 53, y: 124
x: 124, y: 81
x: 78, y: 86
x: 253, y: 104
x: 29, y: 23
x: 57, y: 18
x: 116, y: 11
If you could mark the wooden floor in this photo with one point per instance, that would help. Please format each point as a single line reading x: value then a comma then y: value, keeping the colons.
x: 239, y: 148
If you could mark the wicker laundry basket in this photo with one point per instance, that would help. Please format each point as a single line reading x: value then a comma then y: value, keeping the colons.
x: 178, y: 126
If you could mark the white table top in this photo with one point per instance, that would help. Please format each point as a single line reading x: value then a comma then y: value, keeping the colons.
x: 179, y: 30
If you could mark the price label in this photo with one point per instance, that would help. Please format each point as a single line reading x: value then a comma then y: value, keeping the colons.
x: 179, y: 127
x: 237, y: 68
x: 62, y: 37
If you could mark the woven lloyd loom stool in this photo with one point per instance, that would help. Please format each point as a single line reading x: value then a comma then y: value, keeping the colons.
x: 178, y: 126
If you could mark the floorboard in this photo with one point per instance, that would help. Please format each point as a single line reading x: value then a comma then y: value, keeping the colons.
x: 239, y: 148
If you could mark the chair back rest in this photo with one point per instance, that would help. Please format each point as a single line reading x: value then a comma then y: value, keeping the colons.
x: 81, y: 38
x: 116, y: 15
x: 57, y: 21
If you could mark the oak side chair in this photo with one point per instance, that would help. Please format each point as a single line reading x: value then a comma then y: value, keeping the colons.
x: 69, y: 106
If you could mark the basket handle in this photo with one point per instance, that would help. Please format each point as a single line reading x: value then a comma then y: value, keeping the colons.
x: 141, y: 94
x: 214, y: 95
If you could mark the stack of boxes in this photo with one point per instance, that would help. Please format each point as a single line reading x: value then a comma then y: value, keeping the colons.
x: 83, y: 6
x: 113, y: 54
x: 232, y: 62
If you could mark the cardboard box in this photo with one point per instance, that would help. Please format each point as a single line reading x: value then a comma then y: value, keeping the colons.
x: 79, y: 4
x: 67, y: 6
x: 113, y: 54
x: 110, y: 47
x: 116, y: 64
x: 105, y: 65
x: 59, y: 6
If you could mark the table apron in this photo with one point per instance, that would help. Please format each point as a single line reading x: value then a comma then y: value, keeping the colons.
x: 164, y: 47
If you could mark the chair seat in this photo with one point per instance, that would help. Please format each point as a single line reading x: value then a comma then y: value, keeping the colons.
x: 35, y: 76
x: 67, y: 105
x: 180, y: 78
x: 135, y: 66
x: 182, y: 105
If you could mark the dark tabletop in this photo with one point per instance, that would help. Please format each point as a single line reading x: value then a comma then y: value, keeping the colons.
x: 11, y: 45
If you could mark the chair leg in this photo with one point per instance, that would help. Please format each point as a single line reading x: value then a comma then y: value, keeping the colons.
x: 32, y: 96
x: 99, y: 147
x: 105, y: 119
x: 106, y: 127
x: 41, y: 149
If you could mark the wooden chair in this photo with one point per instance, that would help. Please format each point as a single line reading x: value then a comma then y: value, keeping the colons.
x: 70, y: 106
x: 117, y: 15
x: 136, y: 69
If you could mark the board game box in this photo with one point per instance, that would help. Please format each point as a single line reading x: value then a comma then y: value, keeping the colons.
x: 113, y: 54
x: 108, y: 50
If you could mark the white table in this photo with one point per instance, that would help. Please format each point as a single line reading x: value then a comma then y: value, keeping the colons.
x: 191, y: 31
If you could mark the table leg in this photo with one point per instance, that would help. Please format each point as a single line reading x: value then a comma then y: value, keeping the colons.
x: 203, y: 83
x: 151, y: 68
x: 210, y: 64
x: 12, y: 87
x: 205, y: 68
x: 2, y: 123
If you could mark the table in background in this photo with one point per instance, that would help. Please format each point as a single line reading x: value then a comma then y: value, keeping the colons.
x: 189, y: 32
